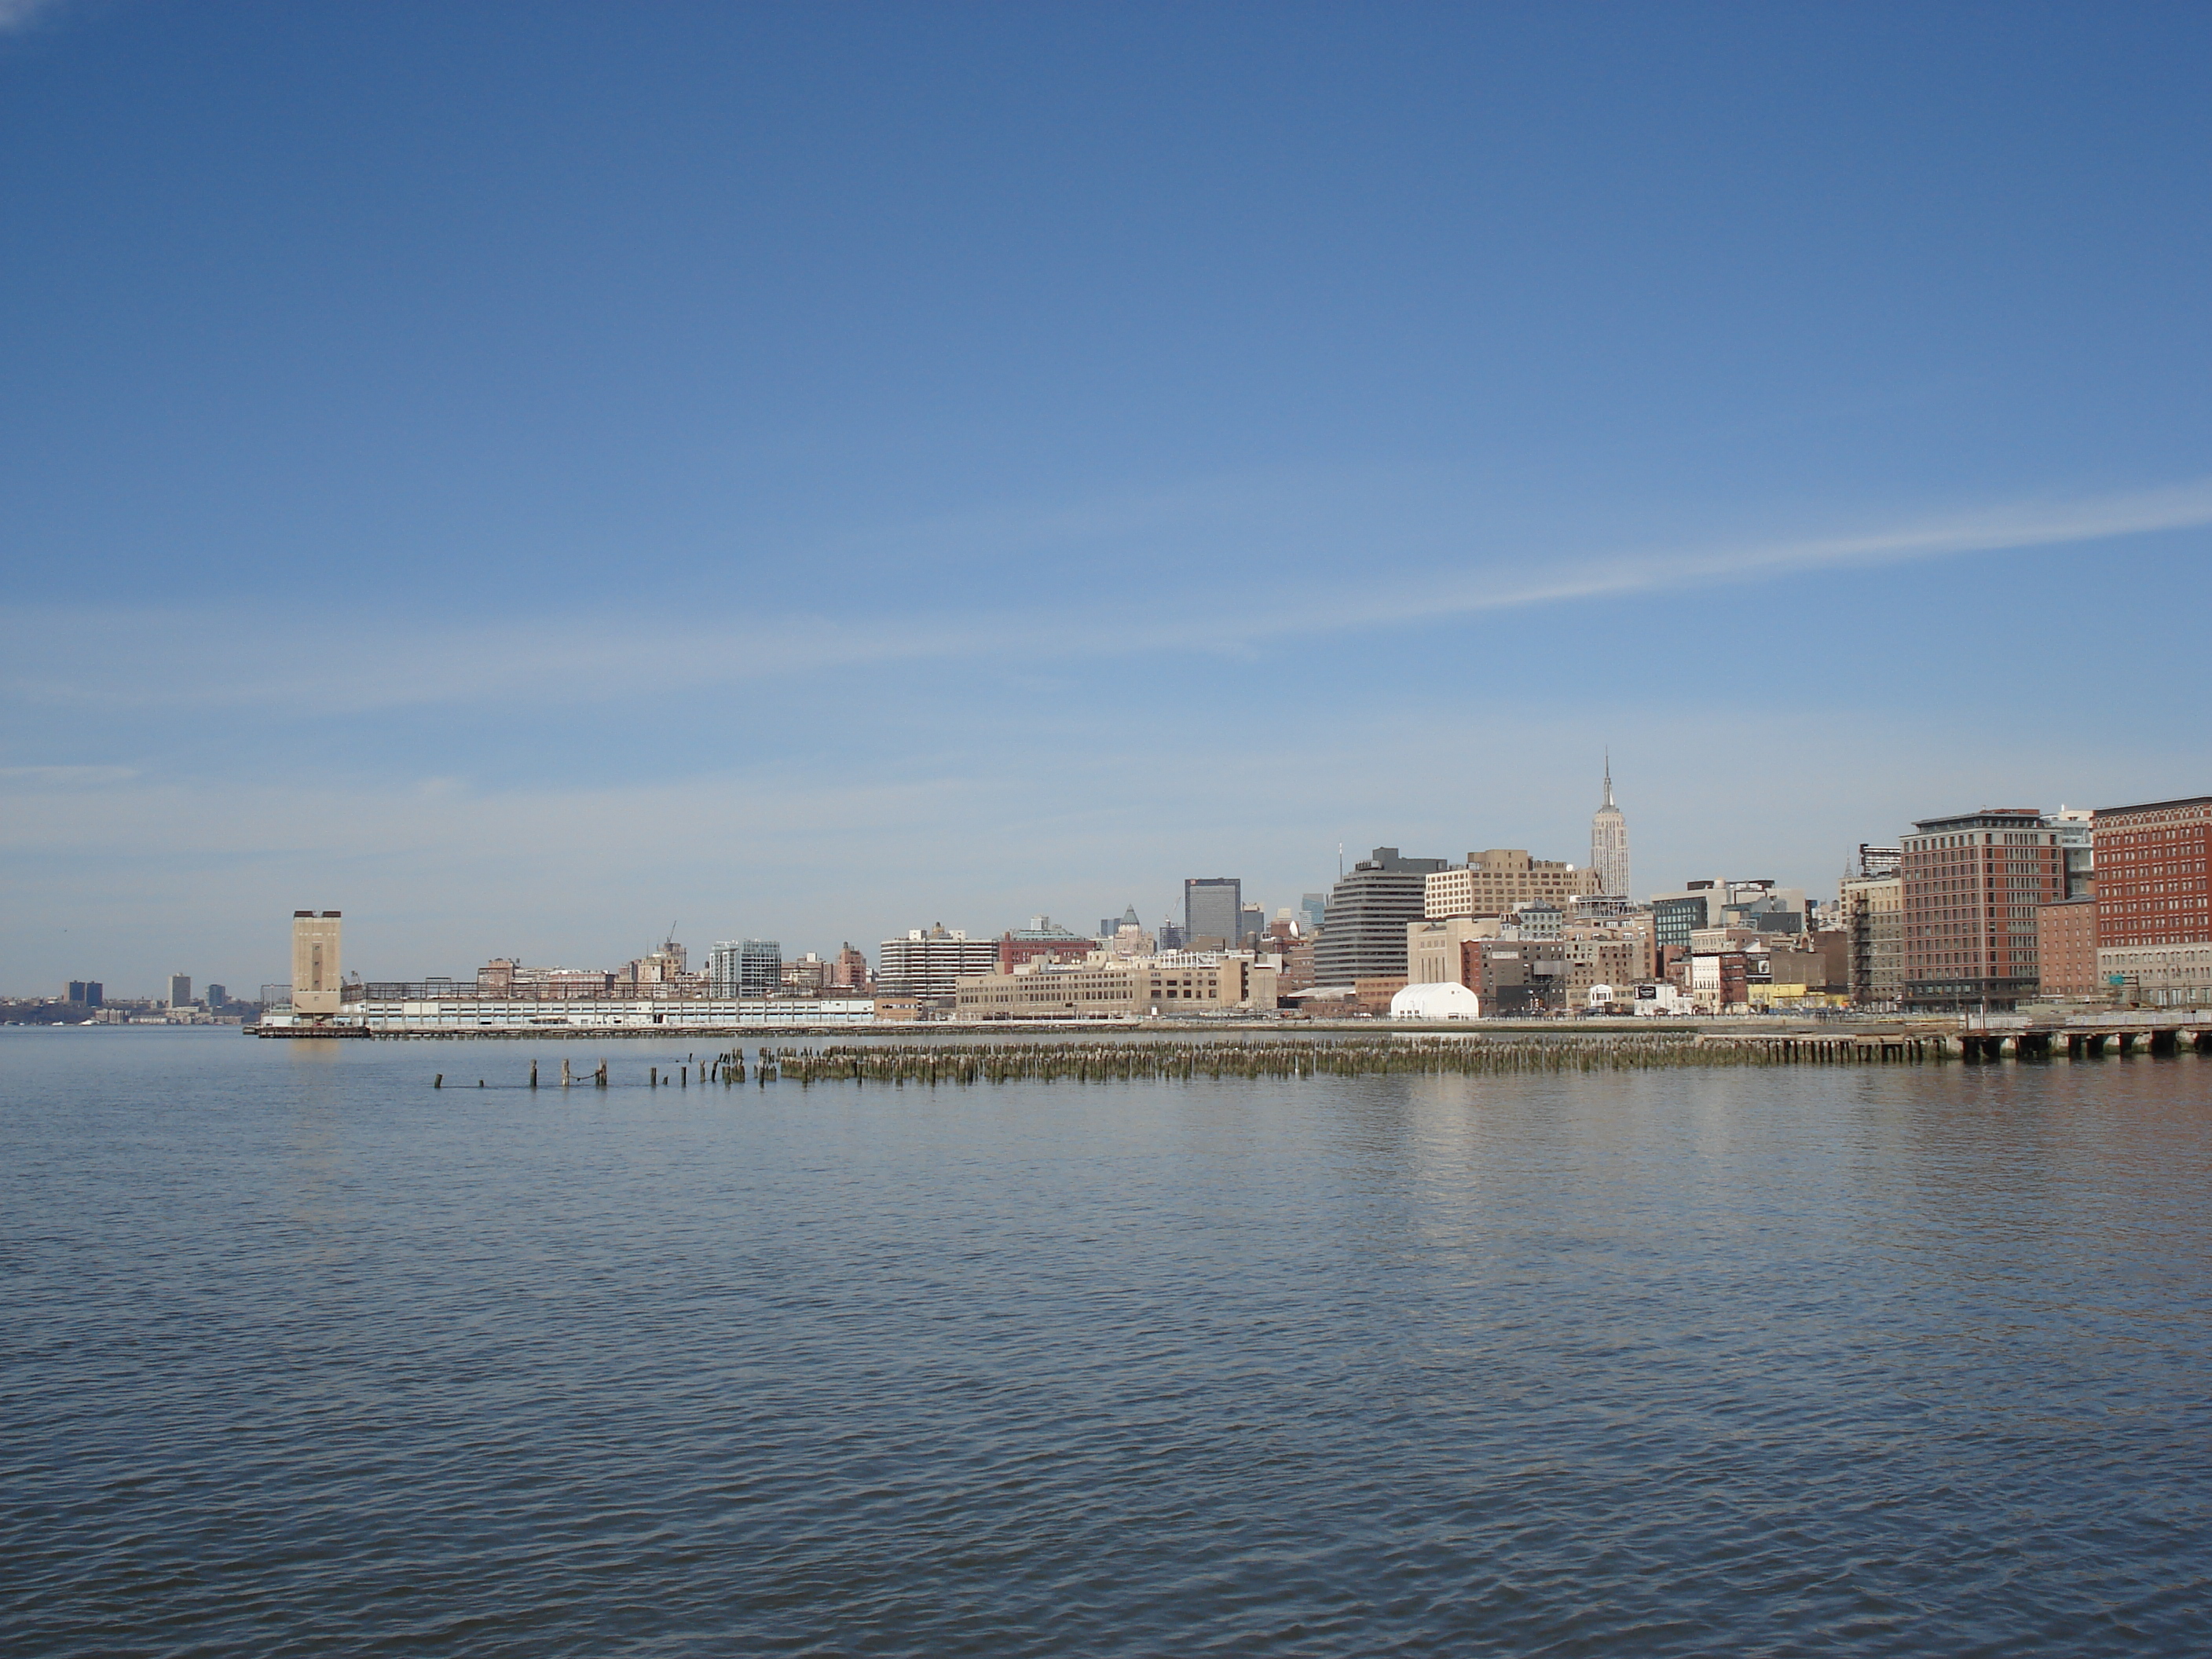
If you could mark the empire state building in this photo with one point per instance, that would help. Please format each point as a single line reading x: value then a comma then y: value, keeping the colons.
x: 1609, y: 842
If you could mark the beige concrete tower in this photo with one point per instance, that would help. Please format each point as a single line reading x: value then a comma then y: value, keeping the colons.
x: 315, y: 962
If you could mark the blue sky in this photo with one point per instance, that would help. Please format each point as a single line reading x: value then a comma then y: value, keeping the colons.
x: 521, y: 474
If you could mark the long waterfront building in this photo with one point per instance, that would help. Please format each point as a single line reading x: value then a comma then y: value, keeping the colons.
x: 1187, y: 982
x: 428, y: 1007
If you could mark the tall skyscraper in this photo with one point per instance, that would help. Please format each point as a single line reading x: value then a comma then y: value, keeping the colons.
x: 1211, y: 909
x: 1609, y: 842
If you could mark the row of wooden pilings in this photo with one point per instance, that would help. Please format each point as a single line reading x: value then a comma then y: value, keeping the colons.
x: 962, y: 1064
x: 727, y: 1069
x: 1849, y: 1050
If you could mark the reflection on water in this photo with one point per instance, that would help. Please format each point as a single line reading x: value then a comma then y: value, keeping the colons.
x: 302, y: 1355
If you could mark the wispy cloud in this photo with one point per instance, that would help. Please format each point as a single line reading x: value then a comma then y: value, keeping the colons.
x: 21, y: 13
x: 2014, y: 527
x: 64, y: 777
x: 248, y: 661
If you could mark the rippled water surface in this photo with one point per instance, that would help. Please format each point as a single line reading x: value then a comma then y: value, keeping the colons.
x: 298, y: 1356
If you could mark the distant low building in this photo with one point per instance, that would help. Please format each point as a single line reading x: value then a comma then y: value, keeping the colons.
x: 849, y: 971
x: 1514, y: 977
x: 445, y: 1006
x: 804, y: 976
x: 930, y: 963
x: 1106, y: 987
x: 1043, y: 938
x: 1587, y: 963
x: 745, y: 968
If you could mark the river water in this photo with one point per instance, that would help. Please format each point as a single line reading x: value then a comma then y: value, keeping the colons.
x: 299, y: 1356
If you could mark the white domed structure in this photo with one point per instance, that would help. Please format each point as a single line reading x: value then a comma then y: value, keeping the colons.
x: 1444, y: 1001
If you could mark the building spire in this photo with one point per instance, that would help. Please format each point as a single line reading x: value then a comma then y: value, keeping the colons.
x: 1609, y: 841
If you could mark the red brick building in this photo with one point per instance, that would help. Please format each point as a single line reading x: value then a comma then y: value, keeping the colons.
x: 2154, y: 902
x: 2066, y: 947
x: 1041, y: 941
x: 2154, y: 873
x: 1973, y: 886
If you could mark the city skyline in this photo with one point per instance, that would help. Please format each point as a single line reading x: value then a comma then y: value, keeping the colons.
x: 867, y: 941
x: 814, y: 476
x: 613, y: 942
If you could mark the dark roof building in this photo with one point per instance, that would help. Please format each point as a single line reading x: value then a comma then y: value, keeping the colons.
x: 1364, y: 930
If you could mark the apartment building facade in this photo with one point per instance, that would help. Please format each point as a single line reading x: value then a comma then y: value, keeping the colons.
x: 2066, y: 948
x: 2153, y: 887
x: 929, y: 963
x: 1502, y: 879
x: 1974, y: 885
x: 1873, y: 916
